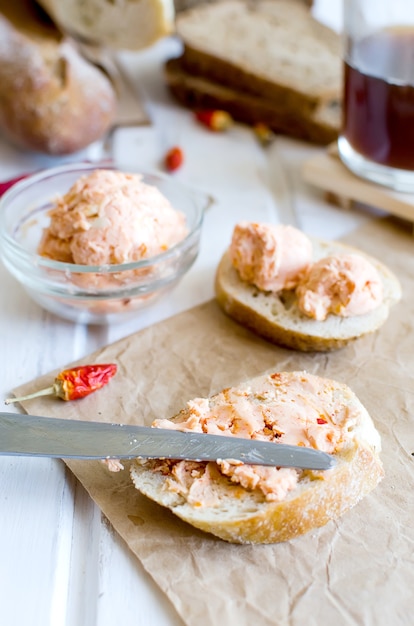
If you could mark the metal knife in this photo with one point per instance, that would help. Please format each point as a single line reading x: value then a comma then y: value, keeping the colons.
x: 30, y: 435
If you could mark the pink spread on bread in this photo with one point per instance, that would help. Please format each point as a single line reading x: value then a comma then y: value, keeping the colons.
x: 276, y: 258
x: 345, y: 285
x: 110, y: 217
x: 287, y: 408
x: 269, y: 256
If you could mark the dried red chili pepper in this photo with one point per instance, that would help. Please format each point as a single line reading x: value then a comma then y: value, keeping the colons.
x: 215, y: 119
x: 75, y: 383
x: 321, y: 420
x: 174, y: 159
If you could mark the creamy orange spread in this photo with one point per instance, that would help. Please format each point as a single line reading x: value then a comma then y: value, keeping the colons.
x: 285, y: 408
x: 110, y: 217
x: 269, y: 256
x: 345, y: 285
x: 274, y: 258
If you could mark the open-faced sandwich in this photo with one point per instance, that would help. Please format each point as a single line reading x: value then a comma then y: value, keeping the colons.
x: 302, y: 293
x: 243, y: 503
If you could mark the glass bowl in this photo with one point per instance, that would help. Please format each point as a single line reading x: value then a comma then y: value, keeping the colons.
x: 88, y: 293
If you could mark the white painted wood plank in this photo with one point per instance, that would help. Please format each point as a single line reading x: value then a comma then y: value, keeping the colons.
x: 83, y: 589
x: 30, y: 521
x: 137, y: 597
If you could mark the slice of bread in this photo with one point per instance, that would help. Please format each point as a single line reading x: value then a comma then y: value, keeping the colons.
x: 270, y: 48
x: 244, y: 514
x: 276, y: 317
x: 321, y: 126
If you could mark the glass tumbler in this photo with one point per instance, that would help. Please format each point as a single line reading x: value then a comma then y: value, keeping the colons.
x: 377, y: 136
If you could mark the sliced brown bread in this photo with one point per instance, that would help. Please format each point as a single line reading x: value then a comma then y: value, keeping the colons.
x: 276, y: 317
x: 270, y: 48
x: 321, y: 126
x: 243, y: 514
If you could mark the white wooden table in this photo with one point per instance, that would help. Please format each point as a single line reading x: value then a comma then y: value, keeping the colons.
x: 61, y: 563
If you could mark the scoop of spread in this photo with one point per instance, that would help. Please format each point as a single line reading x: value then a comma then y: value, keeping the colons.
x: 274, y: 258
x: 110, y: 217
x: 344, y: 285
x: 288, y: 408
x: 269, y: 256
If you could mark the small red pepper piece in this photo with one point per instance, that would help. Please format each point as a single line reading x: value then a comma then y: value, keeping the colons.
x: 174, y: 159
x: 75, y: 383
x: 216, y: 120
x: 321, y: 420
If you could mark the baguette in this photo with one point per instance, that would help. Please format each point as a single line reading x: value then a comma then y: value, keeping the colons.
x: 210, y: 498
x: 321, y: 126
x: 272, y: 49
x: 51, y: 99
x: 124, y: 24
x: 276, y: 317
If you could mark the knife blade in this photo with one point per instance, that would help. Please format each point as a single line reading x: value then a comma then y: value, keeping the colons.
x: 31, y: 435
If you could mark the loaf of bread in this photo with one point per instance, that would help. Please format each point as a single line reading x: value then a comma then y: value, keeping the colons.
x: 126, y: 24
x: 275, y: 315
x: 272, y: 49
x: 321, y: 126
x: 51, y: 99
x: 254, y: 504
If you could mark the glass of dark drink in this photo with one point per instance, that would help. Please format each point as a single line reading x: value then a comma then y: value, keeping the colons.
x: 377, y: 136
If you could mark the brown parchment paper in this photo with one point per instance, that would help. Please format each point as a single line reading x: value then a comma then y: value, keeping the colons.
x: 358, y: 570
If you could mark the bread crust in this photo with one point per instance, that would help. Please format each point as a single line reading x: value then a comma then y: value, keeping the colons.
x: 276, y: 317
x: 197, y: 92
x: 246, y: 517
x: 232, y: 42
x: 51, y: 99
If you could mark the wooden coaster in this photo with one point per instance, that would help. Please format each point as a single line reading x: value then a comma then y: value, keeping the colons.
x: 328, y: 172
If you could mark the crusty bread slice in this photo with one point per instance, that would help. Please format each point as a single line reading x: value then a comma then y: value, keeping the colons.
x: 270, y: 48
x: 242, y: 515
x: 320, y: 126
x: 276, y: 317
